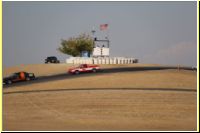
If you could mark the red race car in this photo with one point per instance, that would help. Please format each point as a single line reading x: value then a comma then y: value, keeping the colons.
x: 83, y: 68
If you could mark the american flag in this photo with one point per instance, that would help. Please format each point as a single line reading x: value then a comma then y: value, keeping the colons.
x: 103, y: 26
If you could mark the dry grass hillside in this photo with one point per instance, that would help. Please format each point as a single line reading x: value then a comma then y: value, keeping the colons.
x: 50, y: 69
x: 140, y: 100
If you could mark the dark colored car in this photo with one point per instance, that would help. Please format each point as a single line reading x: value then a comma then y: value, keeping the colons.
x: 19, y: 76
x: 194, y: 68
x: 52, y: 59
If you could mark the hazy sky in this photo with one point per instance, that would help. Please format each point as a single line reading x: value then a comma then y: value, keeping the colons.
x: 153, y: 32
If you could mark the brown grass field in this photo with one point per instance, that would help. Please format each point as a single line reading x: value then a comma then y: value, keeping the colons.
x: 161, y: 100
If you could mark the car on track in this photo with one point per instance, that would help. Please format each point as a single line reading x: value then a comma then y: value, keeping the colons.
x: 51, y: 59
x: 84, y: 68
x: 19, y: 76
x: 194, y: 68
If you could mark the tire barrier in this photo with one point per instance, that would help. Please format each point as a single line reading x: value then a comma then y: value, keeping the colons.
x: 101, y: 60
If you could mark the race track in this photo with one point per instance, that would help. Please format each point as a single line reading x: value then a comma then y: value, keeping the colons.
x: 103, y: 71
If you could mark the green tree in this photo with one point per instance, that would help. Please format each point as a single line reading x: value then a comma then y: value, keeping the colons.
x: 75, y: 45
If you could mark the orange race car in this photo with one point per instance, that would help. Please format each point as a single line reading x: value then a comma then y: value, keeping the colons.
x: 19, y: 76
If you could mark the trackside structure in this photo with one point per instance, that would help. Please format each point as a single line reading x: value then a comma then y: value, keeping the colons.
x: 100, y: 53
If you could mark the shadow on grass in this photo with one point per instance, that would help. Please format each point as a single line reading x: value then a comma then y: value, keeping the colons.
x: 100, y: 89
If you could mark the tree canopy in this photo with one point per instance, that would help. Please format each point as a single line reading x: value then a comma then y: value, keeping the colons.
x: 75, y: 45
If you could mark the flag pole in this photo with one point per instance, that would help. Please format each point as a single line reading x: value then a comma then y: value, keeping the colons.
x: 93, y: 35
x: 108, y: 35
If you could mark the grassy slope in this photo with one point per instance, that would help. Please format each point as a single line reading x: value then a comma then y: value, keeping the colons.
x: 104, y: 109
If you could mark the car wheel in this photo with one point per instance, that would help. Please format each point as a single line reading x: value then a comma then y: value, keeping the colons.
x: 77, y: 72
x: 27, y: 79
x: 9, y: 82
x: 94, y: 70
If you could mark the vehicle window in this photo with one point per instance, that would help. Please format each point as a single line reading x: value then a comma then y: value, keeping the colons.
x: 81, y: 66
x: 15, y: 75
x: 52, y: 58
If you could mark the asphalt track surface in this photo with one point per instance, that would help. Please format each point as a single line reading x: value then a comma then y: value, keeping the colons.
x: 61, y: 76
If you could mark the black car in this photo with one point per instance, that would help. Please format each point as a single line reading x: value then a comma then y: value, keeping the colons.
x: 52, y: 59
x: 194, y: 68
x: 19, y: 76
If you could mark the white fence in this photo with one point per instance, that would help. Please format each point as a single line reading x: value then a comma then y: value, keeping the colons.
x: 101, y: 60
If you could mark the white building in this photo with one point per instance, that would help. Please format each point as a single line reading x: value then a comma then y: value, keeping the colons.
x: 100, y: 52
